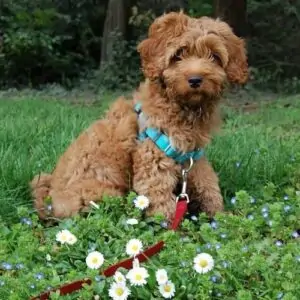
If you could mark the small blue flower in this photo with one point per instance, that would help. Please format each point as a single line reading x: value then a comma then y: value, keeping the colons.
x: 214, y: 279
x: 183, y: 264
x: 295, y: 234
x: 194, y: 218
x: 270, y: 223
x: 219, y: 295
x: 237, y: 164
x: 218, y: 246
x: 264, y: 209
x: 286, y: 197
x: 99, y: 278
x: 233, y: 200
x: 252, y: 200
x: 198, y: 250
x: 19, y: 266
x: 164, y: 224
x: 39, y: 276
x: 26, y: 221
x: 185, y: 239
x: 49, y: 288
x: 298, y: 258
x: 214, y: 224
x: 208, y: 246
x: 265, y: 215
x: 7, y: 266
x: 278, y: 243
x: 245, y: 249
x: 250, y: 217
x: 280, y: 295
x: 32, y: 286
x: 287, y: 208
x: 223, y: 235
x: 257, y: 151
x: 2, y: 283
x: 92, y: 247
x: 225, y: 264
x: 293, y: 158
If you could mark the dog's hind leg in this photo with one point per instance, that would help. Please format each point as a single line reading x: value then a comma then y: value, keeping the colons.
x: 77, y: 196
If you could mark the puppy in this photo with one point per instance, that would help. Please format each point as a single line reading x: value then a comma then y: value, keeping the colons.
x: 186, y: 63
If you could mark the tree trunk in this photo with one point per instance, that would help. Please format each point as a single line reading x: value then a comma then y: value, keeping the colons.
x: 234, y: 12
x: 116, y: 20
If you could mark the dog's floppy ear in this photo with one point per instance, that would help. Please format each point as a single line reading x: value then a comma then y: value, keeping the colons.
x: 237, y: 67
x: 152, y: 50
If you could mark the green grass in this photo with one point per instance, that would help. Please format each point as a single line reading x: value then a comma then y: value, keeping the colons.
x: 33, y: 133
x: 255, y: 249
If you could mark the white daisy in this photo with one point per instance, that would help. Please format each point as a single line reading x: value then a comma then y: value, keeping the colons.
x: 167, y: 289
x: 118, y: 291
x: 63, y: 236
x: 203, y: 263
x: 94, y: 260
x: 132, y: 221
x: 119, y: 278
x: 141, y: 202
x: 137, y: 276
x: 72, y: 239
x: 134, y: 247
x: 161, y: 276
x: 48, y: 257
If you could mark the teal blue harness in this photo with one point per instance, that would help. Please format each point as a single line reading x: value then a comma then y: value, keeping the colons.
x: 162, y: 141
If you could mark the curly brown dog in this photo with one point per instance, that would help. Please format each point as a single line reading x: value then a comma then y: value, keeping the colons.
x: 186, y: 63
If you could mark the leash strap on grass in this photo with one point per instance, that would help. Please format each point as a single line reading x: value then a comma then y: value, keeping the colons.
x: 181, y: 208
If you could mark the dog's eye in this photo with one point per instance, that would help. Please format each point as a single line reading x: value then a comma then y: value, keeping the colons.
x: 178, y: 55
x: 216, y: 58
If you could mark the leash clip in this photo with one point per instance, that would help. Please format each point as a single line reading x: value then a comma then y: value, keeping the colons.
x: 183, y: 196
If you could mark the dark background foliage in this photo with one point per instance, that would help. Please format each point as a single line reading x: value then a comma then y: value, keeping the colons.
x: 46, y: 41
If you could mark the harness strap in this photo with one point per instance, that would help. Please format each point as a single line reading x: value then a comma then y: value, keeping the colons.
x: 162, y: 141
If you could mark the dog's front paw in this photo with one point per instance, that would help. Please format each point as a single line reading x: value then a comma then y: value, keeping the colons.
x: 211, y: 203
x: 164, y: 206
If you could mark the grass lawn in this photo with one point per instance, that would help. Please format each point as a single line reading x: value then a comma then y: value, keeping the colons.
x: 256, y: 154
x: 250, y: 151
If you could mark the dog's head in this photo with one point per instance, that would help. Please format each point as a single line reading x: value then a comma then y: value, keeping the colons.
x: 192, y: 58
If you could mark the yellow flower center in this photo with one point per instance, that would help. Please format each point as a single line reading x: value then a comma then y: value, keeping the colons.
x: 119, y: 291
x: 167, y: 288
x: 135, y: 248
x: 94, y: 260
x: 203, y: 263
x: 142, y: 202
x: 138, y: 277
x: 64, y: 237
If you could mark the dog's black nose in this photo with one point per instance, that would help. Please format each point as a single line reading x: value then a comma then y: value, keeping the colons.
x: 195, y: 81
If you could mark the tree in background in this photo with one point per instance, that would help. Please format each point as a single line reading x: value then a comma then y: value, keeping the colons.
x: 234, y: 12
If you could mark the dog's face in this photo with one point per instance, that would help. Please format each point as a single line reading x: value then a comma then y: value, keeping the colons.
x: 192, y: 58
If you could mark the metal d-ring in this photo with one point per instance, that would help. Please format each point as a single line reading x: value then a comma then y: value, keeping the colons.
x: 190, y: 166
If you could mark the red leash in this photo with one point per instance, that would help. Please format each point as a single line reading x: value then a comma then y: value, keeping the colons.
x: 181, y: 209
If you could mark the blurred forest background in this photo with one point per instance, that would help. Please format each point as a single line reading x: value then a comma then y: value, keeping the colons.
x: 68, y: 41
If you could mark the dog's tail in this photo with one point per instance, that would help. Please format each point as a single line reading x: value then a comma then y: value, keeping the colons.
x: 40, y: 188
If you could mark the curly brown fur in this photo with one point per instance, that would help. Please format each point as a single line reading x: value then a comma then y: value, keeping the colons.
x: 105, y: 157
